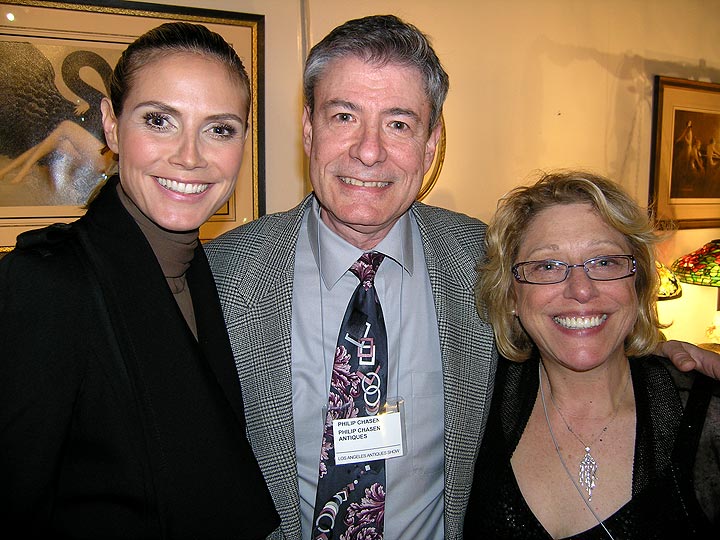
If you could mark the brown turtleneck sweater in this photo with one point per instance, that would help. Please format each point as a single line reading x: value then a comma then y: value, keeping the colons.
x: 174, y: 252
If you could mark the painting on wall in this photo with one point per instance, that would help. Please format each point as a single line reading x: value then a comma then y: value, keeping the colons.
x: 56, y: 59
x: 685, y: 179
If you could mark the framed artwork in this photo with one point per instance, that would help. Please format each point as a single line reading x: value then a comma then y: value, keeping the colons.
x: 55, y: 62
x: 685, y: 177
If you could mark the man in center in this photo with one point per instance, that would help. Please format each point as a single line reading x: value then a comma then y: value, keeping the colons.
x: 374, y: 92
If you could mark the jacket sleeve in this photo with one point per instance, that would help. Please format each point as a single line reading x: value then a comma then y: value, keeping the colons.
x: 698, y: 443
x: 707, y: 462
x: 43, y: 354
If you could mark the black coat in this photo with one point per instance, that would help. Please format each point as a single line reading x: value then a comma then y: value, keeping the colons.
x: 114, y: 421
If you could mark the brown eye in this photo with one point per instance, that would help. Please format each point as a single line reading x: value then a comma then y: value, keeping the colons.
x: 156, y: 120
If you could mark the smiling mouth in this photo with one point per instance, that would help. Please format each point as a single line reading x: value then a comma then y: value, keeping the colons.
x: 360, y: 183
x: 181, y: 187
x: 580, y: 323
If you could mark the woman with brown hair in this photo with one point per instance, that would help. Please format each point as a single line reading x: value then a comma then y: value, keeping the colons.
x: 121, y: 414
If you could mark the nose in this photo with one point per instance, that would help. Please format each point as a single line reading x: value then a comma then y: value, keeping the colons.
x: 369, y: 147
x: 188, y: 154
x: 578, y: 285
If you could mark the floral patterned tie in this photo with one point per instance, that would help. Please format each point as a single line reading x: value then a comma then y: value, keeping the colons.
x: 350, y: 500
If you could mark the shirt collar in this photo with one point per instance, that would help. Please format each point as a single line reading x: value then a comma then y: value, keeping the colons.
x: 334, y: 256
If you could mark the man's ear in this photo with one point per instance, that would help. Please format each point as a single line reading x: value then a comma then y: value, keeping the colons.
x: 307, y: 129
x: 431, y: 144
x: 110, y: 125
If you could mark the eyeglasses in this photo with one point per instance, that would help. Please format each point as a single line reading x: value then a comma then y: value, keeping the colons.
x: 549, y: 271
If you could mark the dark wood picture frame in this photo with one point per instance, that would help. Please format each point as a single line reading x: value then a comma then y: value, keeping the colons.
x: 685, y: 167
x: 50, y: 32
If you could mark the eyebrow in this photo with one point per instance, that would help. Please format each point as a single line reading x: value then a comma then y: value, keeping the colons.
x: 597, y: 244
x: 399, y: 111
x: 164, y: 107
x: 339, y: 103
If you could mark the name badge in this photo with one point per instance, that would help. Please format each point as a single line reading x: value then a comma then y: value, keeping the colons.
x: 369, y: 437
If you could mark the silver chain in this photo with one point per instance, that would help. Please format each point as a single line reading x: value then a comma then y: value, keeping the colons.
x: 614, y: 415
x: 562, y: 461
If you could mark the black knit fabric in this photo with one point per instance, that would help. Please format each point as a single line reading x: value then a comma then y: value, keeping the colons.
x: 671, y: 451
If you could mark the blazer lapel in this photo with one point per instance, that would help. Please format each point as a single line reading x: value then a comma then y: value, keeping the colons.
x: 212, y: 336
x: 467, y: 348
x: 255, y: 281
x: 131, y: 277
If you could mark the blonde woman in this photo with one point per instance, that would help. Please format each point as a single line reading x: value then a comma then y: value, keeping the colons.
x: 587, y: 437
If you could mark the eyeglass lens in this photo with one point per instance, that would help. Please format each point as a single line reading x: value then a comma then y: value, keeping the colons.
x: 605, y: 268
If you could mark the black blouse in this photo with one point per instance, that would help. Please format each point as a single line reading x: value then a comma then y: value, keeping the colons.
x: 676, y: 472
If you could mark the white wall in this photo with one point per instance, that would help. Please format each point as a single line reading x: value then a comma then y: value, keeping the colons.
x: 535, y: 84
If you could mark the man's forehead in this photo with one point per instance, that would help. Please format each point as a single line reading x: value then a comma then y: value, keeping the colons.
x: 353, y: 82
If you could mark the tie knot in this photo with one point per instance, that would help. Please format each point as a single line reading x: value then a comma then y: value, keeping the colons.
x: 366, y: 267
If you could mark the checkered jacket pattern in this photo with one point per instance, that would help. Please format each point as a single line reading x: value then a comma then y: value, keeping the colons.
x: 253, y: 267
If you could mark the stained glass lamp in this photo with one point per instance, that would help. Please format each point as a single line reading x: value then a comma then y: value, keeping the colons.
x: 702, y: 267
x: 669, y: 284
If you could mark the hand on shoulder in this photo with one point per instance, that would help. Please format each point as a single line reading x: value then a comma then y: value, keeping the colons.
x: 686, y: 356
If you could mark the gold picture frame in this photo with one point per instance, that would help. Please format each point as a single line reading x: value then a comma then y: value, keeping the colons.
x: 431, y: 177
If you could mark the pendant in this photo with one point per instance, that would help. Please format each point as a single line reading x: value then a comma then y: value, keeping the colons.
x: 588, y: 473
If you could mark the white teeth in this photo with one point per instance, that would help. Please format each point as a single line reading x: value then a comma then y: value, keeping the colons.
x: 181, y: 187
x: 360, y: 183
x: 576, y: 323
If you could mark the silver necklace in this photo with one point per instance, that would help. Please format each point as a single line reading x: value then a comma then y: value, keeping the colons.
x: 587, y: 471
x: 587, y: 449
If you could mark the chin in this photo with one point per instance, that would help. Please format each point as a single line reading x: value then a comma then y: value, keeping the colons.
x: 180, y: 226
x: 587, y: 362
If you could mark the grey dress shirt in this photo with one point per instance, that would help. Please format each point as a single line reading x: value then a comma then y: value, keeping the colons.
x: 322, y: 288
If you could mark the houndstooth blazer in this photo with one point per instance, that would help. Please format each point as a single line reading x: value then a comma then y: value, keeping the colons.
x: 253, y: 267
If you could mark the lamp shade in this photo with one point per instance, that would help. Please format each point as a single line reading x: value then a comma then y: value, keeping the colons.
x: 669, y: 284
x: 701, y: 267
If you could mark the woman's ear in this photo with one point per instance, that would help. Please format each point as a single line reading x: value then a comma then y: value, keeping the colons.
x: 110, y: 125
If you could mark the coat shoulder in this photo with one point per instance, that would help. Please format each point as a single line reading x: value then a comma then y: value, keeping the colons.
x: 247, y: 237
x: 261, y: 251
x: 460, y: 231
x: 456, y: 223
x: 43, y: 258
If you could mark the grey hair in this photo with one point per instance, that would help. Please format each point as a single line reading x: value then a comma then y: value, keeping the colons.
x: 380, y: 39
